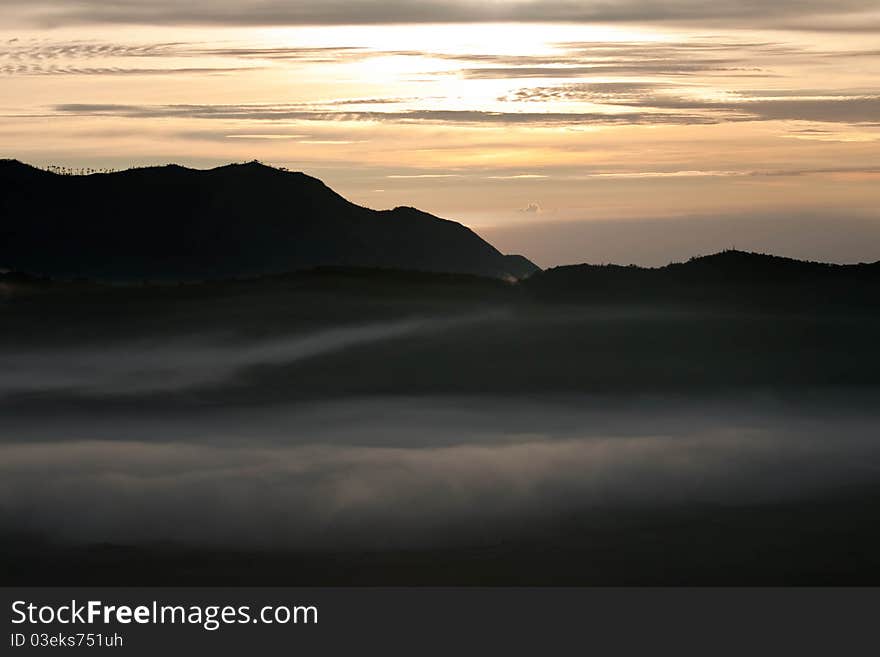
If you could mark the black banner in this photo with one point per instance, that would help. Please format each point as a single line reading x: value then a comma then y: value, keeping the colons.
x: 417, y: 621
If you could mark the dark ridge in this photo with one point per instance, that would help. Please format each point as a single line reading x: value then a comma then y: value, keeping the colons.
x: 172, y: 223
x: 15, y: 171
x: 21, y: 278
x: 729, y: 277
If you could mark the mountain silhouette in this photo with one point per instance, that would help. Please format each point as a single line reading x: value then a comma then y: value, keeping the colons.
x: 241, y: 220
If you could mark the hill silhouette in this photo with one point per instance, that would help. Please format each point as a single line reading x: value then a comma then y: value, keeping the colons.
x: 172, y: 223
x: 725, y: 278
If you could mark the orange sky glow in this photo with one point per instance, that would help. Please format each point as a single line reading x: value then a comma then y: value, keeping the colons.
x: 576, y: 134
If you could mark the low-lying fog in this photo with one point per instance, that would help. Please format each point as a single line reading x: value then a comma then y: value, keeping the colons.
x: 385, y: 472
x: 389, y: 470
x: 184, y: 362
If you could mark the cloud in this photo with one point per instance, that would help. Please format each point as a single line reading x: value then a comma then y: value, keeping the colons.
x: 324, y: 135
x: 531, y: 208
x: 851, y: 109
x: 841, y: 106
x: 673, y: 68
x: 598, y: 174
x: 518, y: 176
x: 40, y: 49
x: 821, y: 14
x: 425, y: 175
x: 318, y: 55
x: 464, y: 117
x: 637, y: 58
x: 41, y: 57
x: 647, y: 109
x: 585, y: 91
x: 691, y: 173
x: 570, y: 60
x: 39, y: 69
x: 628, y: 102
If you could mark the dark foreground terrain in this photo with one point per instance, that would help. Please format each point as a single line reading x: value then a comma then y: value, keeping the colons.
x: 828, y: 540
x: 377, y: 427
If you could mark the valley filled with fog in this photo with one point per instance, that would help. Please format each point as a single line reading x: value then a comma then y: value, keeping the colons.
x: 439, y: 442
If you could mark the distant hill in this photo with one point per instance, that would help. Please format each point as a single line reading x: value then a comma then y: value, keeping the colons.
x: 723, y: 278
x: 172, y: 223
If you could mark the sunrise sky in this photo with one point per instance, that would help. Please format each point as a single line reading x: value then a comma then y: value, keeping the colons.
x: 613, y: 131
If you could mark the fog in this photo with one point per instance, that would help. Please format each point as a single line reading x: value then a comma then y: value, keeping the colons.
x: 183, y: 362
x: 419, y: 432
x: 400, y: 472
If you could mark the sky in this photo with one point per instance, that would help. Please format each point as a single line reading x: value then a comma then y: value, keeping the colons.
x: 625, y: 131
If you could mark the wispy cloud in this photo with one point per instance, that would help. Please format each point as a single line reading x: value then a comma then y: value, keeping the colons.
x: 678, y: 60
x: 585, y: 91
x: 679, y: 68
x: 41, y: 49
x: 465, y: 117
x: 39, y: 69
x: 628, y: 58
x: 518, y: 176
x: 841, y: 109
x: 798, y: 105
x: 638, y: 174
x: 42, y: 57
x: 426, y: 175
x: 645, y: 109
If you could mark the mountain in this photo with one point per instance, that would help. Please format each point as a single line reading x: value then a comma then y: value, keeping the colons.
x: 173, y: 223
x: 729, y: 277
